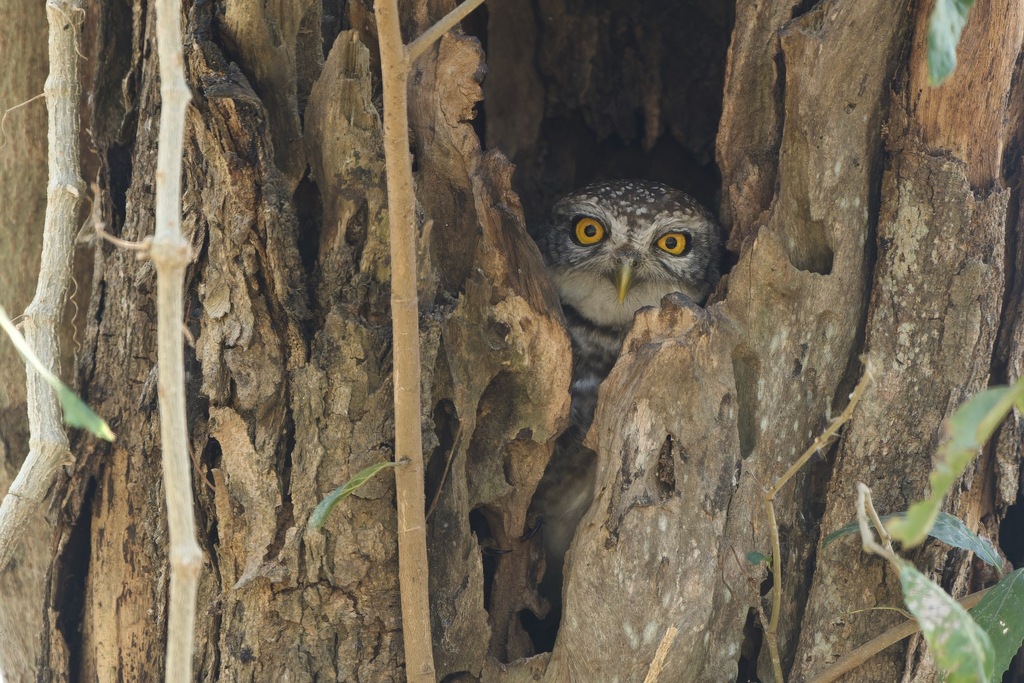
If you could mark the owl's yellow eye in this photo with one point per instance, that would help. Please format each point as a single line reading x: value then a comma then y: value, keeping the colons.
x: 588, y: 231
x: 675, y: 243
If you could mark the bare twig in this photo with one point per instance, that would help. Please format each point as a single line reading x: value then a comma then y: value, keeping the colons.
x: 865, y: 514
x: 3, y: 119
x: 447, y: 469
x: 142, y: 246
x: 876, y: 521
x: 434, y: 33
x: 48, y: 441
x: 170, y: 254
x: 771, y: 628
x: 830, y: 431
x: 658, y: 663
x: 851, y: 660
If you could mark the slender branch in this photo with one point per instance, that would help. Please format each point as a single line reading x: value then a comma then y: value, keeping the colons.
x: 434, y: 33
x: 865, y: 513
x: 142, y: 247
x: 412, y: 543
x: 876, y: 521
x: 10, y: 110
x: 851, y: 660
x: 830, y: 431
x: 447, y: 469
x: 170, y: 254
x: 48, y: 441
x: 771, y: 629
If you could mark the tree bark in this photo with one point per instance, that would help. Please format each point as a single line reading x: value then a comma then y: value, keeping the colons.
x: 867, y: 213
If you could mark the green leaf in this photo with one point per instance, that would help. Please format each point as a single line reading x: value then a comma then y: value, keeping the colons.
x: 754, y: 557
x: 319, y: 516
x: 959, y: 646
x: 1001, y: 615
x: 853, y: 528
x: 76, y: 412
x: 952, y: 531
x: 947, y: 529
x: 970, y: 426
x: 944, y: 28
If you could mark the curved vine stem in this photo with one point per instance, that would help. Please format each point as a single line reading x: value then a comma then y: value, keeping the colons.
x: 772, y: 627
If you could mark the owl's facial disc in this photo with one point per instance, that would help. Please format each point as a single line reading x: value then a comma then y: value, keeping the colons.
x: 617, y: 246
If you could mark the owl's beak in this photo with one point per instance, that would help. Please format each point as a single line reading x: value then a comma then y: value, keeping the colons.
x: 623, y: 278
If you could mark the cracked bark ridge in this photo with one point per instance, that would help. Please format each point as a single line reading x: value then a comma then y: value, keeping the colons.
x: 502, y: 369
x: 935, y: 314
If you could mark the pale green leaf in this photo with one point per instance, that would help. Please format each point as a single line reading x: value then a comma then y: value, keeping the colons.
x: 966, y: 431
x: 319, y: 516
x: 76, y: 412
x: 947, y: 529
x: 755, y: 557
x: 961, y: 649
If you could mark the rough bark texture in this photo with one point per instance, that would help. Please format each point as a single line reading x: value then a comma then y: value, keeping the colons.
x: 866, y: 213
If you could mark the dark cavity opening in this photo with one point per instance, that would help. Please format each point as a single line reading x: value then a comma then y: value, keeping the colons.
x: 489, y: 551
x: 581, y: 92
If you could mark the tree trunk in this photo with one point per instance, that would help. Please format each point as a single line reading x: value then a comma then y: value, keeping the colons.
x: 867, y: 213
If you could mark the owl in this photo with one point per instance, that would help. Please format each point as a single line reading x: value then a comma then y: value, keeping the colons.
x: 611, y: 249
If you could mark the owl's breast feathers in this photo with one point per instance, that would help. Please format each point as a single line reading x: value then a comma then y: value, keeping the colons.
x: 594, y: 349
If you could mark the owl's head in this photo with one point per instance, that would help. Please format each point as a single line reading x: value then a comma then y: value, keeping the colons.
x: 614, y: 247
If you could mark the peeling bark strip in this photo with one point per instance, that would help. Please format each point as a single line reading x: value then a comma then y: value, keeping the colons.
x: 869, y: 214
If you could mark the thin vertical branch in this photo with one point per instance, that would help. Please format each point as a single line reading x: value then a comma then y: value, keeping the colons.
x: 170, y: 254
x: 48, y: 442
x: 412, y: 542
x: 395, y: 60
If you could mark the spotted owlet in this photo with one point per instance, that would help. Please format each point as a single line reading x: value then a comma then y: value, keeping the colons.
x: 611, y: 248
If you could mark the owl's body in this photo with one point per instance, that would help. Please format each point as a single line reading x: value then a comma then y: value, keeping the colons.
x: 611, y: 248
